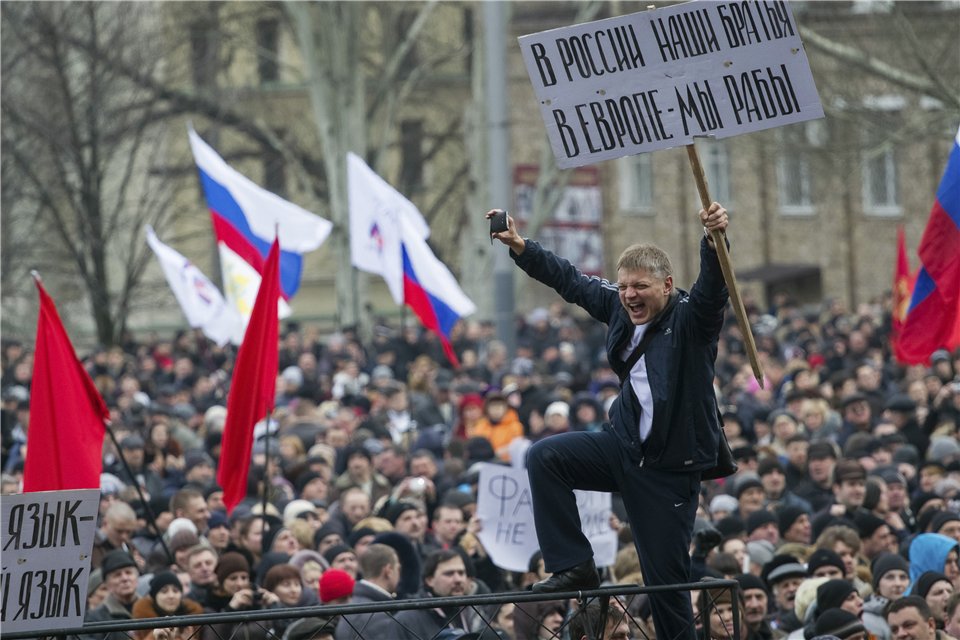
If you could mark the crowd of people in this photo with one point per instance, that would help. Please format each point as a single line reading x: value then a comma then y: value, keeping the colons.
x: 843, y: 518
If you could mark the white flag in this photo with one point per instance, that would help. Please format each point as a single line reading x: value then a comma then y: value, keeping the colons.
x: 376, y: 210
x: 201, y: 301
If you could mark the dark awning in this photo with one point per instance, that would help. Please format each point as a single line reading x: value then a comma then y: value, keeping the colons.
x: 778, y: 272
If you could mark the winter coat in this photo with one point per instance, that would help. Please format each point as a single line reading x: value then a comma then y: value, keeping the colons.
x: 145, y: 608
x: 679, y: 359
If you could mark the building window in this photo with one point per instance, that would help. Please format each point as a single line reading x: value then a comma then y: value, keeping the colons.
x: 794, y: 169
x: 636, y: 183
x: 468, y: 38
x: 411, y: 155
x: 203, y: 55
x: 410, y: 61
x: 268, y: 50
x: 881, y: 193
x: 715, y: 159
x: 274, y: 173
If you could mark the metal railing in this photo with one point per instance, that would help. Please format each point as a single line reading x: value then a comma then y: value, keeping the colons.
x: 484, y: 606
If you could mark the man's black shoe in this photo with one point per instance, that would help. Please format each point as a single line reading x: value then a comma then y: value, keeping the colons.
x: 583, y: 576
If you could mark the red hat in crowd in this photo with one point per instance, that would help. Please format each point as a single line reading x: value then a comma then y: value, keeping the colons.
x: 335, y: 584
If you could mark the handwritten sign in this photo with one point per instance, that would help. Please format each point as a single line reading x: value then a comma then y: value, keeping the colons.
x: 505, y: 509
x: 656, y: 79
x: 46, y: 539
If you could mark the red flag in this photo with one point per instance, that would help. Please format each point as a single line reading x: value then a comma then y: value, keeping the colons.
x: 67, y: 413
x: 902, y: 288
x: 933, y: 318
x: 254, y: 384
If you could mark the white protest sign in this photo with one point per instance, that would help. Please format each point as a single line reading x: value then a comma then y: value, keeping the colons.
x: 505, y: 510
x: 656, y: 79
x: 46, y: 538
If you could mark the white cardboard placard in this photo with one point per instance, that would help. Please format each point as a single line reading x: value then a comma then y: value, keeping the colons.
x: 657, y: 79
x: 46, y: 538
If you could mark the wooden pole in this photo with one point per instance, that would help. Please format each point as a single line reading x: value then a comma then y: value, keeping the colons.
x: 719, y: 242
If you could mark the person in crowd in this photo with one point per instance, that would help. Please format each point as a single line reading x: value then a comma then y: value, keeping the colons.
x: 783, y: 574
x: 891, y: 578
x: 336, y: 587
x: 343, y: 558
x: 190, y: 504
x: 165, y: 599
x: 120, y: 573
x: 934, y: 552
x: 444, y: 574
x: 756, y: 603
x: 936, y: 589
x: 500, y: 424
x: 642, y: 456
x: 201, y: 567
x: 817, y: 487
x: 910, y: 618
x: 116, y: 532
x: 380, y: 567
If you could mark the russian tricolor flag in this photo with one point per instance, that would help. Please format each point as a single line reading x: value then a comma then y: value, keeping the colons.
x: 246, y: 218
x: 933, y: 319
x: 388, y: 237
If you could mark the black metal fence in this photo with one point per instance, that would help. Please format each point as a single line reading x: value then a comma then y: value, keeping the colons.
x: 617, y: 604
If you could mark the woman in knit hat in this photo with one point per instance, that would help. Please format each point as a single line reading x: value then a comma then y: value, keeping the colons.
x: 342, y: 557
x: 891, y: 578
x: 165, y: 599
x: 235, y: 592
x: 936, y: 589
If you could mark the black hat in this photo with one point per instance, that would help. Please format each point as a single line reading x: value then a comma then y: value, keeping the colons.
x: 115, y: 560
x: 747, y: 481
x: 850, y: 399
x: 825, y: 557
x: 758, y: 519
x: 832, y: 593
x: 847, y: 469
x: 886, y: 562
x: 907, y: 453
x: 744, y: 453
x: 942, y: 518
x: 195, y: 458
x: 889, y: 474
x: 750, y: 581
x: 331, y: 554
x: 782, y: 566
x: 922, y: 498
x: 304, y: 479
x: 820, y: 450
x: 901, y: 402
x: 730, y: 526
x: 132, y: 441
x: 926, y: 580
x: 867, y: 523
x: 161, y: 580
x: 397, y: 509
x: 768, y: 465
x: 787, y: 516
x: 838, y: 623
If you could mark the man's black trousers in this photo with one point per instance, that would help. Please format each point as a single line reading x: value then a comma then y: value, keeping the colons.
x: 660, y: 505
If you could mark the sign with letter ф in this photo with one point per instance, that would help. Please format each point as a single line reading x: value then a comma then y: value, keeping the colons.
x: 505, y: 510
x: 656, y: 79
x: 46, y: 538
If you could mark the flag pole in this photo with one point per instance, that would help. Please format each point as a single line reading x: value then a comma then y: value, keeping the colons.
x: 151, y: 518
x: 266, y: 481
x: 719, y: 243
